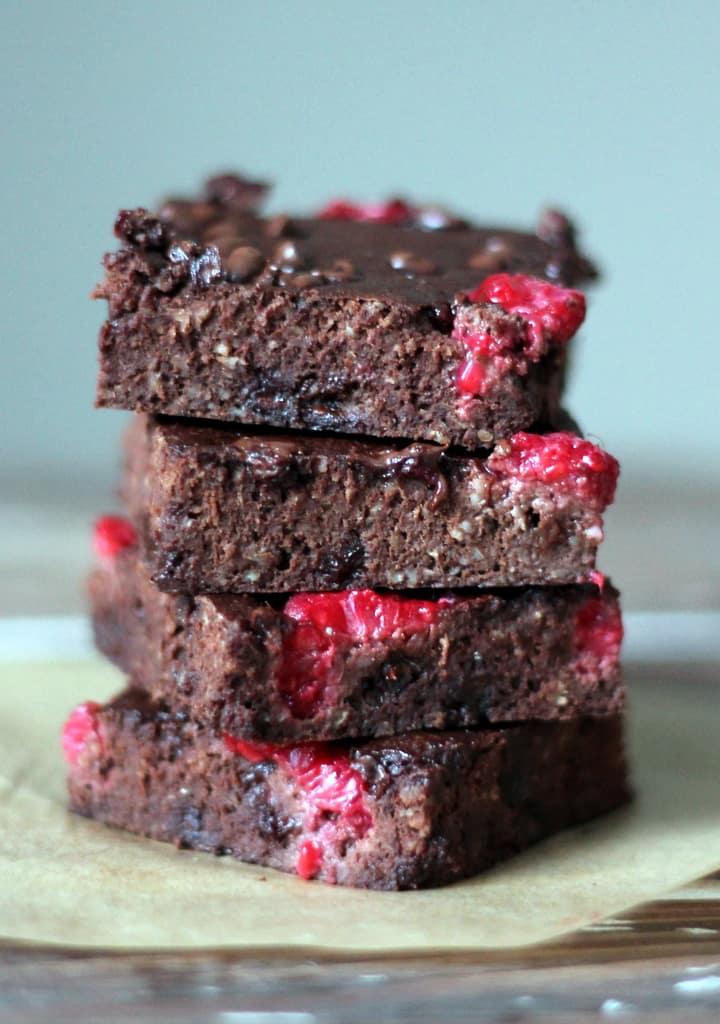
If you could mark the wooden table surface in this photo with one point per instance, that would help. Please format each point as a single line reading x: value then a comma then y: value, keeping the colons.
x: 661, y: 962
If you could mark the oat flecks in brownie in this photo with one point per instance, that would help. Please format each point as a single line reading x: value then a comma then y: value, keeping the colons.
x: 333, y: 793
x: 111, y: 535
x: 326, y: 625
x: 560, y: 459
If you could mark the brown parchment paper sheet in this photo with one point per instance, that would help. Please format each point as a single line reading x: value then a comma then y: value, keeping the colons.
x: 66, y: 880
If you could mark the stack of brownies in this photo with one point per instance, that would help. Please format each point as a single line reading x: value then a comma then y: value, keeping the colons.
x: 355, y: 592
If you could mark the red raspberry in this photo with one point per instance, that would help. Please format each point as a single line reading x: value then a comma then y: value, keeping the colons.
x: 392, y: 211
x: 470, y: 376
x: 334, y: 793
x: 551, y: 312
x: 79, y: 728
x: 598, y: 578
x: 550, y: 315
x: 253, y: 752
x: 326, y: 625
x: 309, y: 859
x: 340, y: 209
x: 599, y: 629
x: 111, y: 535
x: 560, y: 458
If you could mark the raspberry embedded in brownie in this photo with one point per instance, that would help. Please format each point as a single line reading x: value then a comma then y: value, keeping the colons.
x: 358, y: 321
x: 326, y: 626
x: 404, y: 812
x: 323, y: 666
x: 543, y: 316
x: 225, y: 510
x: 333, y: 793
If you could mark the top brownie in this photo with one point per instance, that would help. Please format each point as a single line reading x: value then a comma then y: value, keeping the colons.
x: 387, y: 320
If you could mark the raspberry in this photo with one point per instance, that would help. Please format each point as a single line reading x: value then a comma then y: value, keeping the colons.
x: 550, y: 315
x: 550, y: 312
x: 309, y: 859
x: 253, y: 752
x: 340, y: 209
x: 470, y: 376
x: 326, y: 625
x: 393, y: 211
x: 334, y: 794
x: 598, y: 578
x: 598, y: 629
x: 562, y: 459
x: 79, y: 728
x: 111, y: 535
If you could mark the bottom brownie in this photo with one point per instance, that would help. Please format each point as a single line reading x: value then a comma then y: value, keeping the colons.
x: 403, y: 812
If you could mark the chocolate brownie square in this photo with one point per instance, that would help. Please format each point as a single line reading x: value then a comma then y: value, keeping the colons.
x: 358, y: 663
x: 223, y: 510
x: 404, y: 812
x: 391, y: 321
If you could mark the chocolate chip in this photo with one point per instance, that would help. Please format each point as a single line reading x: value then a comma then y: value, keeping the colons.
x: 302, y: 280
x: 243, y: 262
x: 221, y: 229
x: 178, y: 213
x: 280, y: 226
x: 497, y: 245
x: 441, y: 317
x: 340, y: 567
x: 494, y: 257
x: 202, y: 213
x: 226, y: 244
x: 286, y: 255
x: 234, y: 190
x: 412, y: 264
x: 206, y: 267
x: 180, y: 252
x: 202, y: 265
x: 434, y: 218
x: 341, y: 270
x: 142, y: 229
x: 555, y: 228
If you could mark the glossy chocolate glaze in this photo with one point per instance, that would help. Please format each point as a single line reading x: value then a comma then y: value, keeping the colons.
x: 220, y: 236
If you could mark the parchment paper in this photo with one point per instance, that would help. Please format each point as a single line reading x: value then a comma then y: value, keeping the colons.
x: 66, y: 880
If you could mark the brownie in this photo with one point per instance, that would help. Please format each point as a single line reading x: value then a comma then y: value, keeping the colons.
x: 405, y: 812
x: 395, y: 322
x: 224, y: 510
x: 390, y: 663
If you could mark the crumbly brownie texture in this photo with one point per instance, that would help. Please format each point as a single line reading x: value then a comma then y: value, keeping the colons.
x: 394, y: 322
x: 417, y: 810
x: 224, y: 511
x: 359, y: 663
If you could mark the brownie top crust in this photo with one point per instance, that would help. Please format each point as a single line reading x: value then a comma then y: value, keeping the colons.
x: 394, y: 252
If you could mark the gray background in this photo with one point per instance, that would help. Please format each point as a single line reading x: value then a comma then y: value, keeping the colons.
x: 607, y: 108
